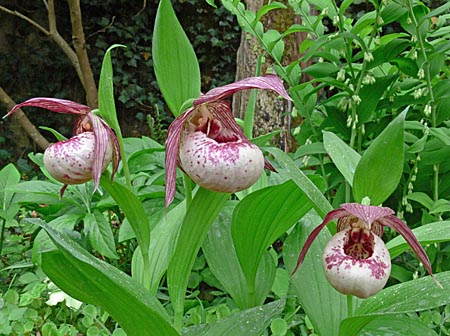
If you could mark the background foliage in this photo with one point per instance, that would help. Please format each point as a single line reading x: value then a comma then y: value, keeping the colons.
x: 43, y: 70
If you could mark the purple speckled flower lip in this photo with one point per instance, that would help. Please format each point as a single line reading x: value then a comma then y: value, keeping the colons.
x: 209, y: 146
x: 84, y: 156
x: 355, y: 260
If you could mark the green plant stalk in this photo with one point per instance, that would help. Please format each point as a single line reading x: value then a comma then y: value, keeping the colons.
x: 349, y: 305
x: 251, y: 290
x: 2, y: 234
x: 355, y: 131
x: 187, y: 190
x: 426, y: 69
x: 123, y: 156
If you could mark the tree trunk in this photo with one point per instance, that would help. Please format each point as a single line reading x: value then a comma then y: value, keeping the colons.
x: 78, y: 57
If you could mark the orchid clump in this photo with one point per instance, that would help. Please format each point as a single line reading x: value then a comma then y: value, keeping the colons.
x: 209, y: 146
x: 356, y: 260
x: 84, y: 156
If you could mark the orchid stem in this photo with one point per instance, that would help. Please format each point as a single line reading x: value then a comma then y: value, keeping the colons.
x: 349, y: 305
x: 126, y: 170
x: 187, y: 190
x: 2, y: 234
x: 178, y: 319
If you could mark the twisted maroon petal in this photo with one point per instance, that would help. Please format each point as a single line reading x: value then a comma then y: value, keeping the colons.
x: 267, y: 82
x: 53, y: 104
x: 399, y: 226
x: 334, y: 214
x: 367, y: 213
x: 102, y: 133
x: 172, y: 145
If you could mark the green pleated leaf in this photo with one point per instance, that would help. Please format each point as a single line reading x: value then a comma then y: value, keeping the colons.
x: 380, y: 168
x: 397, y: 325
x: 318, y: 200
x: 319, y: 70
x: 133, y: 210
x: 262, y: 217
x: 344, y: 157
x: 324, y: 306
x: 93, y: 281
x: 202, y: 212
x: 427, y: 234
x: 412, y: 296
x: 176, y: 66
x: 106, y: 105
x: 226, y: 268
x: 250, y: 322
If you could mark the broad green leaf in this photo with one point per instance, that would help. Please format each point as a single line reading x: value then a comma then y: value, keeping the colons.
x: 427, y: 234
x: 264, y: 139
x: 56, y: 134
x: 324, y: 306
x: 262, y: 217
x: 211, y: 3
x: 162, y: 241
x: 250, y: 322
x: 225, y: 266
x: 441, y: 133
x: 345, y: 5
x: 176, y: 66
x: 133, y: 210
x: 406, y: 65
x: 93, y: 281
x: 310, y: 149
x: 48, y: 191
x: 344, y: 157
x: 370, y: 97
x: 267, y: 8
x: 107, y: 107
x: 393, y: 12
x: 320, y: 70
x: 380, y: 168
x: 422, y: 198
x: 419, y: 145
x: 318, y: 200
x: 437, y: 11
x: 100, y: 234
x: 412, y: 296
x: 441, y: 205
x: 397, y: 325
x: 9, y: 175
x: 387, y: 52
x: 201, y: 213
x: 364, y: 24
x: 42, y: 242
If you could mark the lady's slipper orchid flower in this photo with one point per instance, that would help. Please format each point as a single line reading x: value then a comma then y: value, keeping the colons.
x: 355, y: 260
x: 208, y: 145
x: 84, y: 156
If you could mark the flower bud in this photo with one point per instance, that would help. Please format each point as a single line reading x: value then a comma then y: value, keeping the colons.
x: 71, y: 161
